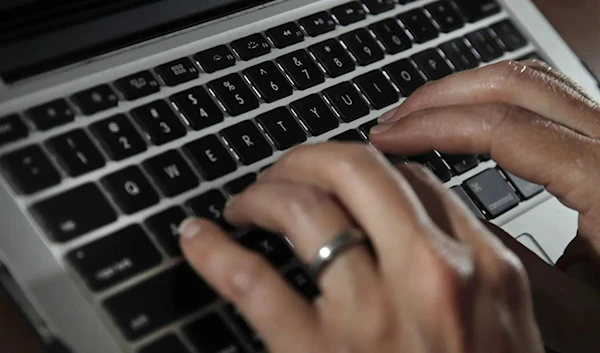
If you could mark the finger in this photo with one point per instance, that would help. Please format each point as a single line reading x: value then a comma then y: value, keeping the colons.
x: 277, y: 312
x: 512, y: 83
x: 559, y: 76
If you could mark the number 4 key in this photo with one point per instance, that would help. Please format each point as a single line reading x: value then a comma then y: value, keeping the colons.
x: 198, y: 109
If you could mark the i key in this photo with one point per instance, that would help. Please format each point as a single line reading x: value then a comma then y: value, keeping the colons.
x: 76, y: 152
x: 118, y: 137
x: 347, y: 101
x: 198, y: 108
x: 362, y: 45
x: 171, y: 173
x: 377, y: 89
x: 249, y: 144
x: 235, y: 94
x: 130, y: 190
x: 159, y: 122
x: 315, y: 114
x: 269, y: 81
x: 282, y: 128
x: 210, y: 157
x: 333, y: 57
x: 302, y: 69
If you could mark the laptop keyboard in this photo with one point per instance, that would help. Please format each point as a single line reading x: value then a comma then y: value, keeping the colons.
x: 160, y: 299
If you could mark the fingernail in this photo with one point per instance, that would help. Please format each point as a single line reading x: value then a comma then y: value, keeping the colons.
x: 387, y: 116
x: 378, y: 129
x: 189, y: 228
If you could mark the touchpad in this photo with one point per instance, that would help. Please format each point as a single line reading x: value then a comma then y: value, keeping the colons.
x: 531, y: 244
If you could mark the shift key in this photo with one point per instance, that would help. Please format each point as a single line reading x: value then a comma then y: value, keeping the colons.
x: 493, y: 194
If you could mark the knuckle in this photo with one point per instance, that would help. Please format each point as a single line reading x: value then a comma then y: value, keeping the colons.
x: 507, y: 273
x: 351, y: 158
x: 305, y: 200
x: 245, y: 276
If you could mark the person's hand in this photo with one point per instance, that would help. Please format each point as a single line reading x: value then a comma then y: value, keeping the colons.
x: 434, y: 279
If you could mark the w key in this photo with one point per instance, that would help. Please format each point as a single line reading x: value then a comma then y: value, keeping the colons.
x: 76, y: 152
x: 159, y: 122
x: 171, y: 173
x: 235, y: 94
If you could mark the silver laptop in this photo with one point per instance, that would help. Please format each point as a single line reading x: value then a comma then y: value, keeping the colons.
x: 120, y: 118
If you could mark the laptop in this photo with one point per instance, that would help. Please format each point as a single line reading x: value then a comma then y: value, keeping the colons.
x: 118, y: 119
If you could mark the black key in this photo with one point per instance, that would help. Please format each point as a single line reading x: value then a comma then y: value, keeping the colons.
x: 165, y: 228
x: 12, y: 128
x: 333, y: 57
x: 158, y: 301
x: 525, y: 188
x: 302, y: 69
x: 248, y: 333
x: 171, y: 173
x: 177, y: 72
x: 435, y: 163
x: 130, y: 190
x: 269, y: 81
x: 486, y: 45
x: 366, y: 127
x: 282, y: 128
x: 461, y: 163
x: 118, y: 138
x: 73, y: 213
x: 303, y: 283
x: 349, y: 13
x: 347, y: 101
x: 362, y: 45
x: 215, y: 59
x: 240, y: 184
x: 419, y: 25
x: 49, y: 115
x: 377, y: 89
x: 432, y: 64
x: 209, y: 205
x: 317, y: 24
x: 349, y: 136
x: 212, y: 335
x: 460, y: 192
x: 95, y: 99
x: 445, y: 15
x: 272, y: 246
x: 235, y: 94
x: 138, y: 85
x: 315, y: 114
x: 391, y: 35
x: 29, y: 170
x: 210, y: 157
x: 378, y: 6
x: 198, y: 108
x: 75, y: 152
x: 167, y: 344
x: 484, y: 157
x: 114, y: 258
x: 285, y: 35
x: 461, y: 56
x: 475, y: 10
x: 251, y: 47
x: 534, y: 56
x: 509, y: 35
x: 247, y: 142
x: 159, y: 122
x: 492, y: 193
x: 405, y: 76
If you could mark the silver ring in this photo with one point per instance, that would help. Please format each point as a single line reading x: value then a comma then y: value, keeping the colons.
x: 328, y: 252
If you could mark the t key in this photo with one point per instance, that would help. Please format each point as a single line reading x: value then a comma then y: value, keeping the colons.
x: 235, y: 94
x: 282, y: 128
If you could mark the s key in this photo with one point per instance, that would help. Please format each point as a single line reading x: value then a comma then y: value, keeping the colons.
x: 159, y: 122
x: 235, y: 94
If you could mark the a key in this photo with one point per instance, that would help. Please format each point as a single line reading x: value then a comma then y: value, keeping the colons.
x: 419, y: 25
x: 248, y: 333
x: 333, y: 57
x: 285, y: 35
x: 235, y: 94
x: 349, y: 13
x: 49, y: 115
x: 95, y: 99
x: 282, y: 128
x: 137, y: 85
x: 177, y: 72
x: 435, y: 163
x: 391, y: 35
x: 215, y: 59
x: 525, y: 188
x: 165, y: 228
x: 130, y: 190
x: 240, y: 184
x: 211, y: 334
x: 71, y: 214
x: 302, y: 69
x: 405, y: 76
x: 492, y: 193
x: 170, y: 344
x: 118, y: 138
x: 247, y: 142
x: 347, y: 101
x: 349, y: 136
x: 318, y: 24
x: 509, y: 35
x: 75, y: 152
x: 114, y: 258
x: 251, y: 47
x: 209, y: 205
x: 210, y: 157
x: 29, y: 170
x: 366, y: 127
x: 445, y: 15
x: 315, y: 114
x: 460, y: 55
x: 478, y: 9
x: 171, y: 173
x: 460, y: 163
x: 379, y: 6
x: 269, y: 81
x: 362, y: 45
x: 158, y: 301
x: 159, y: 122
x: 378, y: 90
x: 12, y: 128
x: 303, y: 283
x: 198, y: 108
x: 272, y: 246
x: 460, y: 192
x: 486, y: 45
x: 432, y: 64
